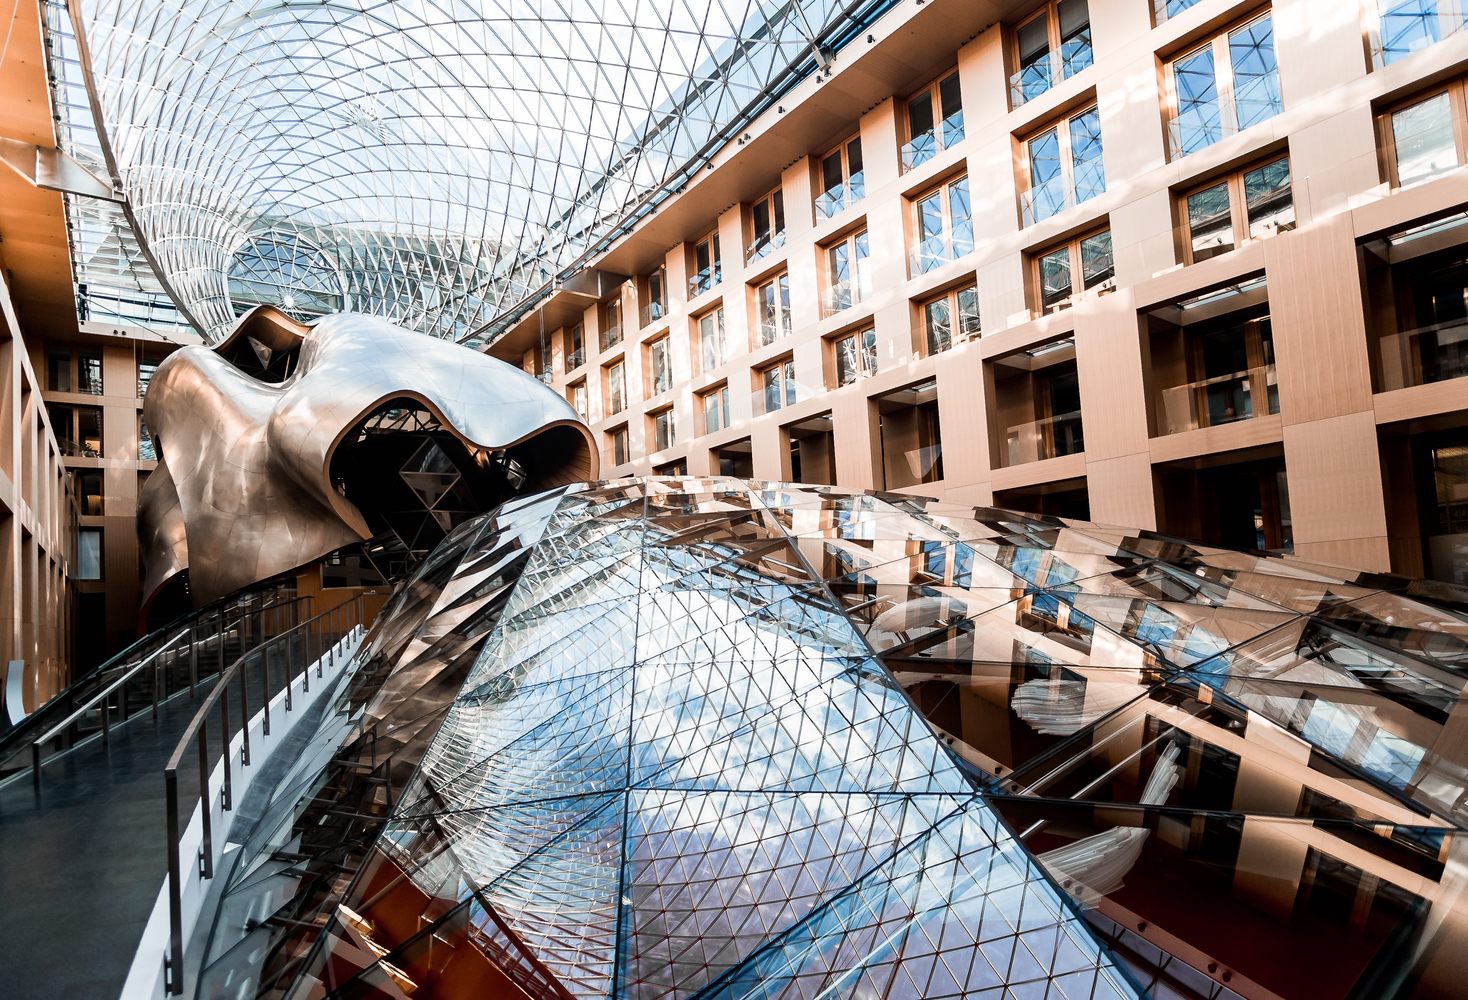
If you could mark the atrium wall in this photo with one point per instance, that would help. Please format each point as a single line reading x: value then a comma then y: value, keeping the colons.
x: 1340, y: 472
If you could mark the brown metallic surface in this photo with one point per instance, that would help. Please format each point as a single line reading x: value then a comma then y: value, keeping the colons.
x: 242, y: 490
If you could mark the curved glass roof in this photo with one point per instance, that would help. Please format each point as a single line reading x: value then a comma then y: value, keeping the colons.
x: 435, y: 162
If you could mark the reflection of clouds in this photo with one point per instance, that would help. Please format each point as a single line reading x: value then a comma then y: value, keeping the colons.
x: 1094, y: 866
x: 1064, y: 707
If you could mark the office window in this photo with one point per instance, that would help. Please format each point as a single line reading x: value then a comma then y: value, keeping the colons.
x: 146, y: 450
x: 1075, y: 266
x: 146, y: 370
x: 89, y: 373
x: 659, y: 365
x: 1408, y: 26
x: 943, y: 226
x: 842, y: 182
x: 89, y: 553
x: 58, y: 371
x: 772, y: 309
x: 611, y: 323
x: 706, y: 267
x: 655, y: 296
x: 1053, y: 45
x: 848, y: 273
x: 663, y: 430
x: 1223, y: 86
x: 89, y: 431
x: 618, y: 445
x: 1242, y: 206
x: 575, y: 348
x: 711, y: 339
x: 855, y: 355
x: 954, y: 315
x: 934, y: 121
x: 576, y: 396
x: 767, y: 218
x: 87, y: 485
x: 776, y: 385
x: 1425, y: 135
x: 1064, y: 166
x: 715, y: 406
x: 615, y: 380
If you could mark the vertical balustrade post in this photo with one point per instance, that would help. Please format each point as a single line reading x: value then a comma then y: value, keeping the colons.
x: 173, y: 979
x: 193, y: 656
x: 227, y: 798
x: 244, y: 711
x: 206, y: 810
x: 265, y: 689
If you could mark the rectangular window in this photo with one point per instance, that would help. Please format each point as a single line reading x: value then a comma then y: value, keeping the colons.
x: 842, y: 182
x: 58, y: 372
x: 146, y: 371
x: 611, y: 324
x: 1072, y: 267
x: 146, y: 450
x: 1408, y: 26
x: 575, y: 348
x: 89, y: 431
x: 777, y: 387
x: 89, y: 554
x: 952, y: 316
x: 1053, y: 45
x: 1425, y: 136
x: 576, y: 396
x: 617, y: 440
x: 767, y: 218
x: 772, y: 309
x: 943, y: 226
x: 89, y: 373
x: 711, y: 339
x: 1163, y: 9
x: 663, y: 431
x: 855, y: 356
x: 934, y: 121
x: 87, y: 484
x: 660, y: 365
x: 655, y: 297
x: 1243, y: 206
x: 715, y: 404
x: 1064, y: 166
x: 848, y: 273
x: 706, y: 268
x: 1223, y: 86
x: 616, y: 388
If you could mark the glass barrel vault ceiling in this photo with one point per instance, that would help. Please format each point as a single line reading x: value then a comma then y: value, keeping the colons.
x: 700, y: 737
x: 431, y: 162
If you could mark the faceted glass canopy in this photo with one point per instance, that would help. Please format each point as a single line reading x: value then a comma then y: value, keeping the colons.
x: 720, y: 739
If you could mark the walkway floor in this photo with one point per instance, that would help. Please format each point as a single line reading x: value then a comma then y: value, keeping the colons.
x: 83, y: 859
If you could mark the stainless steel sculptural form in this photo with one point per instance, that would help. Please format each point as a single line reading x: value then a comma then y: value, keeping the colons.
x: 256, y: 439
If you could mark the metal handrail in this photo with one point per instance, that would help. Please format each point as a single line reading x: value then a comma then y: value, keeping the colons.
x: 338, y: 620
x: 128, y: 673
x: 120, y: 660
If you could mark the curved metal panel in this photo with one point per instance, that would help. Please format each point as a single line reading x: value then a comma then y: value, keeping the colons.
x: 243, y: 491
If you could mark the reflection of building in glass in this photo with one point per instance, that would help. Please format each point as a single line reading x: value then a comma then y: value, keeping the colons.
x: 758, y: 739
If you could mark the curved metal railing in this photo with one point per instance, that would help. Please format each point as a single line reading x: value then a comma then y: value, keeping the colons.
x: 311, y: 641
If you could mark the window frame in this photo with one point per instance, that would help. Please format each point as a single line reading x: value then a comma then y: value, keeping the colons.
x: 572, y: 390
x: 575, y: 345
x: 698, y: 282
x: 1036, y: 277
x: 835, y: 342
x: 620, y: 439
x: 721, y: 329
x: 784, y: 323
x: 611, y: 322
x: 1237, y: 204
x: 862, y: 287
x: 663, y: 345
x: 773, y: 201
x: 1060, y: 124
x: 934, y: 93
x: 1224, y: 85
x: 850, y: 193
x: 1050, y: 10
x: 654, y: 418
x: 1386, y: 140
x: 944, y: 189
x: 655, y: 305
x: 949, y: 296
x: 784, y: 368
x: 717, y: 394
x: 615, y: 388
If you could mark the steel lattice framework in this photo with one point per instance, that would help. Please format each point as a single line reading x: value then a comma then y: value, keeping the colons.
x: 438, y: 163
